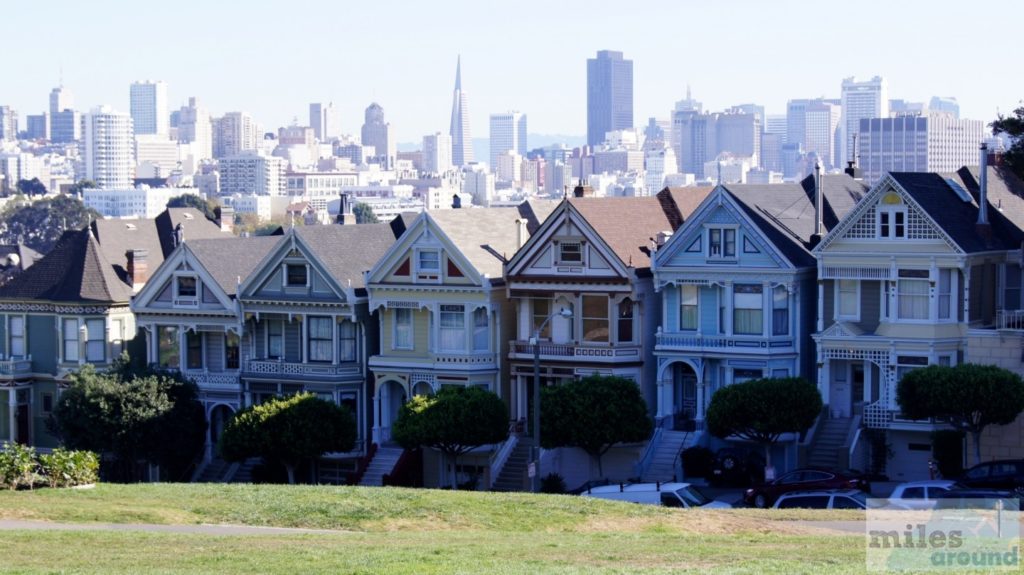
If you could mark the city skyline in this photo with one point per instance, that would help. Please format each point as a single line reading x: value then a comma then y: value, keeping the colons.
x: 230, y: 69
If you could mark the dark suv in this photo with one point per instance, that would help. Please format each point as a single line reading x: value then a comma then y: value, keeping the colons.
x: 1007, y: 474
x: 736, y: 466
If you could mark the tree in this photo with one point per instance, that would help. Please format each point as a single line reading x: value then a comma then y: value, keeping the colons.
x: 364, y: 214
x: 969, y: 396
x: 593, y: 414
x: 453, y: 421
x: 131, y: 415
x: 31, y: 187
x: 41, y: 223
x: 207, y: 207
x: 77, y: 187
x: 1012, y: 126
x: 761, y: 410
x: 290, y: 430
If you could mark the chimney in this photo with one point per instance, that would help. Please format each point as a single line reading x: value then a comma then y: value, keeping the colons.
x: 138, y: 268
x: 345, y: 215
x: 582, y: 190
x: 663, y: 237
x: 179, y: 235
x: 226, y: 218
x: 816, y: 238
x: 521, y: 235
x: 852, y: 169
x: 456, y: 201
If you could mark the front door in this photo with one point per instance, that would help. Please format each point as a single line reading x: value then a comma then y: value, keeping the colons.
x: 839, y: 390
x: 23, y: 421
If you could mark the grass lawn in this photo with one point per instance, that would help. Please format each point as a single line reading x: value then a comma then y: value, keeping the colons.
x: 408, y: 531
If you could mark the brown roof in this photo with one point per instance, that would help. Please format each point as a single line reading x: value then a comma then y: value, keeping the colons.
x: 627, y: 225
x: 687, y: 199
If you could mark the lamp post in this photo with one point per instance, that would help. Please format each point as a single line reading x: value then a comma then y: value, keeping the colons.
x: 536, y: 394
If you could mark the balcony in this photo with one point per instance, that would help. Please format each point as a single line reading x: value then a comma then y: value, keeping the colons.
x: 706, y: 343
x: 15, y: 368
x: 213, y: 381
x: 282, y: 370
x: 1010, y: 319
x: 618, y: 353
x: 878, y: 415
x: 466, y: 359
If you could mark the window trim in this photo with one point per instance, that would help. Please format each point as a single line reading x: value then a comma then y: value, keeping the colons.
x: 23, y: 336
x: 891, y: 226
x: 429, y: 275
x: 286, y: 279
x: 308, y: 324
x: 65, y: 340
x: 722, y: 230
x: 837, y: 312
x: 926, y: 280
x: 343, y: 358
x: 581, y: 253
x: 607, y: 318
x: 759, y: 307
x: 396, y: 327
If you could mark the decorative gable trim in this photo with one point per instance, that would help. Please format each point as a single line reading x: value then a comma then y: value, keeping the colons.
x: 175, y: 265
x: 291, y: 246
x: 401, y: 256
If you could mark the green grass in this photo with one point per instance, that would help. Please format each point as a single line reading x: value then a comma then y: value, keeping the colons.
x: 407, y: 531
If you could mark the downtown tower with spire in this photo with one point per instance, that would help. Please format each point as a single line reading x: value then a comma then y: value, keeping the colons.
x: 462, y: 140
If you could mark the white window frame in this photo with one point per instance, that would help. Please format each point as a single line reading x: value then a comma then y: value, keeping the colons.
x: 66, y: 341
x: 890, y: 226
x: 397, y: 329
x: 284, y: 276
x: 723, y: 231
x: 95, y: 335
x: 695, y: 306
x: 561, y: 253
x: 951, y: 307
x: 426, y: 274
x: 320, y: 319
x: 926, y: 281
x: 344, y: 353
x: 185, y: 300
x: 788, y: 307
x: 606, y: 317
x: 758, y: 307
x: 855, y: 316
x: 269, y: 335
x: 15, y: 341
x: 481, y: 330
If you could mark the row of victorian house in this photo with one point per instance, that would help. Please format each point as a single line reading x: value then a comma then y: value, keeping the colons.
x: 684, y: 293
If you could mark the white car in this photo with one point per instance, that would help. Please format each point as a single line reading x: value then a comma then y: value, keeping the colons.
x: 918, y: 494
x: 823, y: 499
x: 668, y: 494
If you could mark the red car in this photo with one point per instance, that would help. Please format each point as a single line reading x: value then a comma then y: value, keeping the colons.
x: 810, y: 478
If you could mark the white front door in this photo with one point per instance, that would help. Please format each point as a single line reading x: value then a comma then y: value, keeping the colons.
x: 839, y: 398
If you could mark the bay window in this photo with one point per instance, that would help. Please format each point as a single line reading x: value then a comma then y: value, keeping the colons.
x: 780, y: 311
x: 168, y: 354
x: 346, y: 341
x: 595, y: 318
x: 848, y: 300
x: 403, y: 329
x: 319, y: 338
x: 193, y: 350
x: 481, y: 330
x: 912, y: 295
x: 688, y: 307
x: 275, y: 339
x: 95, y: 340
x: 945, y: 293
x: 231, y: 350
x: 453, y: 328
x: 541, y: 309
x: 69, y: 337
x: 17, y: 336
x: 748, y: 309
x: 625, y: 321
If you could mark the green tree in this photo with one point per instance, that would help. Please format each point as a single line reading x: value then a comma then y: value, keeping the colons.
x: 132, y: 415
x: 364, y: 214
x: 289, y: 430
x: 1012, y: 126
x: 969, y: 396
x: 761, y: 410
x: 41, y: 223
x: 207, y: 207
x: 453, y: 421
x: 593, y: 414
x: 77, y: 187
x: 31, y: 187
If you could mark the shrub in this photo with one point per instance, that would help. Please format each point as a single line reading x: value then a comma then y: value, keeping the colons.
x: 552, y: 483
x: 64, y: 468
x: 697, y: 461
x: 17, y: 465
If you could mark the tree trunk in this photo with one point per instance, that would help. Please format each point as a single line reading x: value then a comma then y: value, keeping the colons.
x: 977, y: 446
x: 291, y: 473
x: 600, y: 467
x: 769, y: 469
x: 455, y: 472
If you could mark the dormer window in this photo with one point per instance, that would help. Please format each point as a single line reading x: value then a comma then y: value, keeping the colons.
x: 721, y: 242
x: 892, y: 217
x: 570, y: 253
x: 429, y: 261
x: 187, y: 288
x: 296, y: 275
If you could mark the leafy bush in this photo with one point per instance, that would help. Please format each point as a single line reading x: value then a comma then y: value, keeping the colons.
x: 697, y: 461
x: 552, y: 483
x: 64, y: 468
x: 17, y: 465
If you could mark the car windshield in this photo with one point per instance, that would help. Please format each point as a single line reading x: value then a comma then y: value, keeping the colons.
x: 861, y: 497
x: 693, y: 496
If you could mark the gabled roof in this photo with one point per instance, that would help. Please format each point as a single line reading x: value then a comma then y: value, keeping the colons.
x: 626, y: 224
x: 1005, y: 191
x: 75, y: 271
x: 348, y: 251
x: 840, y: 192
x: 685, y: 200
x: 231, y: 258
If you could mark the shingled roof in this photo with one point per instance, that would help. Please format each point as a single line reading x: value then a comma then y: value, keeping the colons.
x: 626, y: 224
x: 348, y: 251
x: 231, y: 258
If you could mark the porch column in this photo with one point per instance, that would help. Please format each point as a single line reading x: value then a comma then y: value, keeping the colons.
x: 376, y: 418
x: 334, y: 339
x: 728, y: 303
x: 12, y: 405
x: 867, y: 381
x: 767, y: 305
x: 821, y: 306
x: 304, y: 330
x: 826, y: 377
x: 208, y: 453
x: 182, y: 349
x: 660, y: 413
x: 700, y: 401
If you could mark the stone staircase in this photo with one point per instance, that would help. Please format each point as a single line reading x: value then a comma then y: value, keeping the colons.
x: 213, y: 472
x: 383, y: 462
x: 829, y: 444
x: 513, y: 474
x: 243, y: 472
x: 663, y: 463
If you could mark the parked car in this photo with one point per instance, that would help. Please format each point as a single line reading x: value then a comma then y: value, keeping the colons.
x: 974, y: 498
x: 737, y: 466
x: 1007, y: 474
x: 826, y: 499
x: 803, y: 480
x: 668, y: 494
x: 919, y: 494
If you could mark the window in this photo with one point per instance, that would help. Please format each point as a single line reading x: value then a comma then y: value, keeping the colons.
x: 945, y: 293
x: 296, y: 275
x: 403, y: 329
x: 688, y: 307
x: 453, y: 328
x: 95, y: 340
x: 741, y: 375
x: 231, y: 360
x: 346, y: 341
x: 721, y: 309
x: 169, y: 356
x: 47, y: 402
x: 805, y: 502
x: 907, y: 363
x: 481, y: 335
x: 541, y: 311
x: 913, y: 493
x: 595, y: 318
x: 320, y: 339
x: 17, y: 339
x: 275, y: 339
x: 722, y: 243
x: 848, y: 300
x: 780, y: 311
x: 70, y: 338
x: 625, y: 325
x: 892, y: 217
x: 187, y: 287
x: 1011, y: 282
x: 747, y: 309
x: 570, y: 253
x: 429, y: 261
x: 116, y: 337
x: 845, y: 502
x: 194, y: 350
x: 912, y: 298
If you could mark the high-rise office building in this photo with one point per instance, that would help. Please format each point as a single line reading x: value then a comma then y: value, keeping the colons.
x: 251, y: 173
x: 324, y: 120
x: 149, y: 108
x: 609, y: 95
x: 65, y: 122
x: 462, y: 138
x: 658, y: 165
x: 61, y: 99
x: 796, y: 121
x: 195, y: 127
x: 946, y: 104
x: 860, y: 99
x: 37, y: 126
x: 928, y: 142
x: 821, y: 132
x: 776, y: 124
x: 107, y: 148
x: 378, y: 133
x: 437, y: 153
x: 739, y: 132
x: 508, y: 132
x: 234, y: 133
x: 8, y: 124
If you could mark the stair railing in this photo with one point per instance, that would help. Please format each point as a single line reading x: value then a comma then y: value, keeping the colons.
x: 364, y: 462
x: 678, y: 473
x: 644, y: 464
x: 408, y: 470
x: 499, y: 457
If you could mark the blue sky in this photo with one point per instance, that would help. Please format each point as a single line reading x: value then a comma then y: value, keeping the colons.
x: 273, y: 58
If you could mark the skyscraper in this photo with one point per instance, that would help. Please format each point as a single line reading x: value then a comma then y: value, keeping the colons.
x: 107, y: 153
x: 8, y: 124
x: 149, y: 107
x: 821, y: 132
x: 377, y: 133
x: 508, y: 132
x: 860, y: 100
x: 194, y: 127
x: 927, y: 142
x: 324, y: 120
x: 437, y: 153
x: 946, y: 104
x: 609, y: 95
x: 462, y: 139
x: 65, y: 123
x: 234, y: 133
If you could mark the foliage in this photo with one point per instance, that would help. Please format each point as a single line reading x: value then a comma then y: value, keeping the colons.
x: 77, y: 188
x: 697, y: 461
x: 17, y: 465
x: 761, y: 410
x: 64, y: 468
x: 31, y: 187
x: 291, y: 430
x: 969, y: 396
x: 593, y: 414
x: 207, y: 207
x: 552, y: 483
x: 1012, y: 126
x: 364, y: 214
x: 41, y: 223
x: 132, y: 414
x: 948, y: 451
x: 453, y: 421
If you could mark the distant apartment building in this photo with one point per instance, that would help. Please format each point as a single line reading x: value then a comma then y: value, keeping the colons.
x: 318, y: 188
x: 609, y: 95
x: 252, y: 173
x: 195, y: 127
x: 149, y: 108
x: 37, y: 126
x: 479, y: 184
x: 325, y: 120
x: 108, y: 156
x: 860, y: 99
x: 234, y: 133
x: 509, y: 167
x: 139, y: 202
x: 932, y: 142
x: 155, y: 156
x: 508, y: 132
x: 8, y: 124
x: 437, y: 153
x: 557, y: 177
x: 659, y: 165
x: 379, y: 134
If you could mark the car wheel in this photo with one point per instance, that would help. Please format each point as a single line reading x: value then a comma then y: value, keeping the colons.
x: 760, y: 501
x: 729, y: 463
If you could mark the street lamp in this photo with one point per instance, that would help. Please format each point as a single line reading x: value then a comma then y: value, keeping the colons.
x: 535, y: 341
